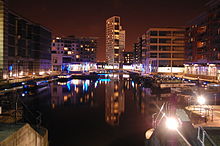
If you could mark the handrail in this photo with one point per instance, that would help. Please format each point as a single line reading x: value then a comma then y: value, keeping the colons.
x: 204, y: 135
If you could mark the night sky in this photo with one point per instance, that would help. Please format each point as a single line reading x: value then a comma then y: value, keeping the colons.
x: 87, y: 17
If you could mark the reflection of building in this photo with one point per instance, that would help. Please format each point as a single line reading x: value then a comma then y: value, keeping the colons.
x: 115, y: 40
x: 73, y: 92
x: 72, y: 50
x: 56, y: 95
x: 114, y: 102
x: 24, y: 45
x: 163, y: 50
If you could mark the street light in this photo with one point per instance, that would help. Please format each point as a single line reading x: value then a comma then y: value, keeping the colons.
x: 172, y: 123
x: 201, y: 100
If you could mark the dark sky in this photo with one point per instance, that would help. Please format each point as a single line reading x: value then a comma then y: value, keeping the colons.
x: 87, y: 17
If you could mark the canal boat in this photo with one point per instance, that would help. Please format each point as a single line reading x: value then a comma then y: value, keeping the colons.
x: 32, y: 85
x: 64, y: 77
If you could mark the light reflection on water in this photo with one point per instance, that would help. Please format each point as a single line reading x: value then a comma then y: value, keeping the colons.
x: 79, y: 92
x: 73, y: 92
x: 114, y: 101
x: 114, y: 106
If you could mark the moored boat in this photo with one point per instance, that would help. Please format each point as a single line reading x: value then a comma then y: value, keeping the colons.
x: 32, y: 85
x: 64, y: 77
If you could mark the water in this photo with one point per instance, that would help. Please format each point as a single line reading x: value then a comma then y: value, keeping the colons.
x: 109, y: 112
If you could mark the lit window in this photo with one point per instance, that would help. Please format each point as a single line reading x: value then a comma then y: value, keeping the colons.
x: 65, y: 98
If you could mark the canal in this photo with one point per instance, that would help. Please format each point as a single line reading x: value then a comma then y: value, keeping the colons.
x: 112, y: 111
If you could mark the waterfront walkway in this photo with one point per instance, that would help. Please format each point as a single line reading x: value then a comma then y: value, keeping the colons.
x: 5, y: 83
x: 209, y: 115
x: 196, y: 78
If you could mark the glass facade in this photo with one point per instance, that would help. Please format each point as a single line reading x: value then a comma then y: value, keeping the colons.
x: 3, y: 39
x: 24, y: 45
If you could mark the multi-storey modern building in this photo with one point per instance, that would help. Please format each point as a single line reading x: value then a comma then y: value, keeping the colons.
x: 137, y: 51
x: 163, y: 50
x: 70, y: 50
x: 203, y: 43
x: 128, y: 57
x: 115, y: 41
x: 203, y: 35
x: 25, y: 45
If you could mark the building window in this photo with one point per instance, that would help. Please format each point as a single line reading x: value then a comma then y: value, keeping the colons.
x: 116, y: 19
x: 165, y: 48
x: 153, y: 40
x: 153, y: 48
x: 53, y: 52
x: 116, y: 27
x: 164, y: 40
x: 164, y: 33
x: 165, y: 55
x: 153, y: 55
x: 153, y: 33
x: 54, y: 60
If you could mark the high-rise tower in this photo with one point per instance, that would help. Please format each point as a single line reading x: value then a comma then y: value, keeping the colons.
x: 115, y: 41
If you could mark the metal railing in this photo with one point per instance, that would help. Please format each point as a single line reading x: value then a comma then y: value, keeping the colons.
x: 203, y: 135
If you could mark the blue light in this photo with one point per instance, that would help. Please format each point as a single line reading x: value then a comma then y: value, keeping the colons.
x: 68, y: 86
x: 105, y: 80
x: 96, y: 83
x: 63, y: 67
x: 85, y: 87
x: 10, y: 68
x: 132, y: 83
x: 101, y: 74
x: 68, y: 69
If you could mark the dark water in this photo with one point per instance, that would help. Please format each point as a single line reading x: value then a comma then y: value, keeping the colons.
x: 113, y: 111
x: 108, y: 112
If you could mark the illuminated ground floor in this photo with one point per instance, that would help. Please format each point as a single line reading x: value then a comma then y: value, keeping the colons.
x: 17, y: 68
x: 75, y: 67
x: 209, y: 71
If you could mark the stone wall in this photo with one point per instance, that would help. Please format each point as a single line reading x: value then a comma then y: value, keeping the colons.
x: 26, y: 136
